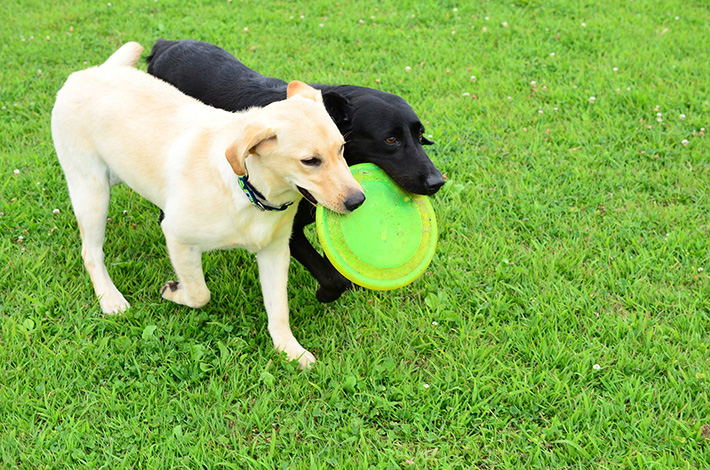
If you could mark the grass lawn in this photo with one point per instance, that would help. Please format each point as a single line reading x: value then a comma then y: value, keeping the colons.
x: 564, y: 322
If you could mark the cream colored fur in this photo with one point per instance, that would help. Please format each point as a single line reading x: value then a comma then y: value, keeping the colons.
x: 115, y: 124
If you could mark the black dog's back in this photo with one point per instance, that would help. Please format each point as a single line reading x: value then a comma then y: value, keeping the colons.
x: 207, y: 71
x: 246, y: 87
x: 217, y: 78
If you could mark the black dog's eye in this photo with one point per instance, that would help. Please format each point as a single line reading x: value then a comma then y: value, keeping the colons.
x: 421, y: 134
x: 313, y: 161
x: 391, y: 140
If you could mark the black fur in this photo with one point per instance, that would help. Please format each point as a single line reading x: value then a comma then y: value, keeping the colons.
x: 379, y: 127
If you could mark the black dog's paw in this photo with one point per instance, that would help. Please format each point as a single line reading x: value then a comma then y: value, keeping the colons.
x: 330, y: 294
x: 326, y: 295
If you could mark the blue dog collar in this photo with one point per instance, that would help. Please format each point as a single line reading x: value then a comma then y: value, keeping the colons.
x: 256, y: 198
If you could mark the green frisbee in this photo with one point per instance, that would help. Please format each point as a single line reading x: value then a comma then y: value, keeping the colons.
x: 387, y: 242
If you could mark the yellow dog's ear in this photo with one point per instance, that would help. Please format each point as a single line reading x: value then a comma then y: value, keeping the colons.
x: 256, y: 139
x: 296, y: 88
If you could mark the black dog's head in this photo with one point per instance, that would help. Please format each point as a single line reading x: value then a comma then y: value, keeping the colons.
x: 383, y: 129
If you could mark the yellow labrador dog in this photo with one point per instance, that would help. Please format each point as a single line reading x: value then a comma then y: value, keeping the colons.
x: 223, y: 180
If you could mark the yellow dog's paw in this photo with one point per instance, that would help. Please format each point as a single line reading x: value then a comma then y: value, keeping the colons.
x: 176, y: 292
x: 113, y: 304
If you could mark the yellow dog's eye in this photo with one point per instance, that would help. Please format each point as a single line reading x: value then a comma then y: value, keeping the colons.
x: 391, y: 140
x: 313, y: 161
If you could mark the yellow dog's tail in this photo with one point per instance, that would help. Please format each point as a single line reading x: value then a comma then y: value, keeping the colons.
x: 126, y: 56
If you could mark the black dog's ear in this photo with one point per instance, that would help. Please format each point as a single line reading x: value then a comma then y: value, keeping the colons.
x: 339, y: 108
x: 426, y: 141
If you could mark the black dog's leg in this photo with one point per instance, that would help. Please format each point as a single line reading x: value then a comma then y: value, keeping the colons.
x: 332, y: 283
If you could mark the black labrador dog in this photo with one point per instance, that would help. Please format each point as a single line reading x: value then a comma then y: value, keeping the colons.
x: 379, y: 127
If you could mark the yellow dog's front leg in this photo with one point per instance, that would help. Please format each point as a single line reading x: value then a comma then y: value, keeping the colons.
x: 273, y: 263
x: 190, y: 289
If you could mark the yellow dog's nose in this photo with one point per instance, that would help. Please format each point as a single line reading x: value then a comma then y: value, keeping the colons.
x: 354, y: 200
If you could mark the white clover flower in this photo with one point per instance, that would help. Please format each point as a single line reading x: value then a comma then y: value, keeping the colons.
x: 596, y: 367
x: 55, y: 211
x: 682, y: 116
x: 592, y: 99
x: 685, y: 142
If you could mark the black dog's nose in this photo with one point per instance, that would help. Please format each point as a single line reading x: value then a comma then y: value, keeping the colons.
x: 434, y: 183
x: 354, y: 201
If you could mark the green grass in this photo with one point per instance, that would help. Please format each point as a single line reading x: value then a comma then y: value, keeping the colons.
x: 564, y: 322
